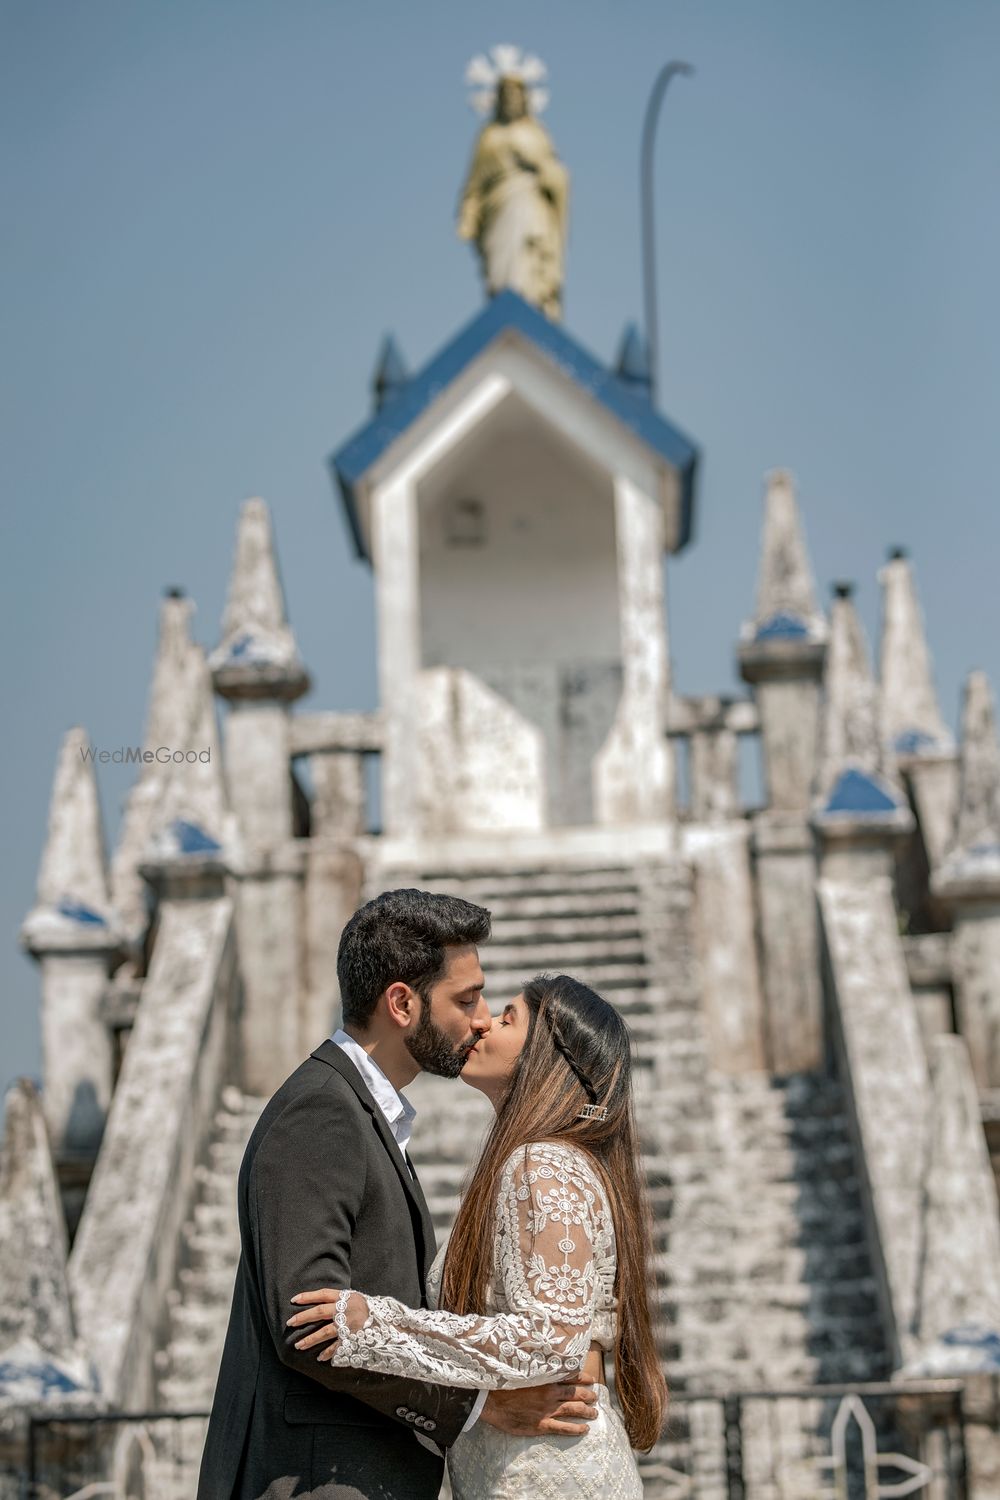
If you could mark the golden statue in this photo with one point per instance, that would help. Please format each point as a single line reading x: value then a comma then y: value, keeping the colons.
x: 516, y: 197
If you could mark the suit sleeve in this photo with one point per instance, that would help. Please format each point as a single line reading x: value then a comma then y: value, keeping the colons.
x: 306, y: 1188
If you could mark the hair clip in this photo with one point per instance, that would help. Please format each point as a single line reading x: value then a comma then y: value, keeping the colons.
x: 593, y: 1112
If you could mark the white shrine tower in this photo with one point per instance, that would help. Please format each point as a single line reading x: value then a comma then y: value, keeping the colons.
x: 515, y: 499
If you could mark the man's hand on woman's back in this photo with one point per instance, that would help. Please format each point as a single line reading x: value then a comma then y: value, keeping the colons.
x: 533, y: 1410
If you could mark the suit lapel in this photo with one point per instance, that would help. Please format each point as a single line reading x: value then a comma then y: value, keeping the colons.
x: 336, y: 1058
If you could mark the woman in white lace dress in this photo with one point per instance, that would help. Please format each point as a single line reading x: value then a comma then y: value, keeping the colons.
x: 547, y: 1268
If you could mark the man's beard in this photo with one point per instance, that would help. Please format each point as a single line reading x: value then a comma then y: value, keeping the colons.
x: 433, y: 1051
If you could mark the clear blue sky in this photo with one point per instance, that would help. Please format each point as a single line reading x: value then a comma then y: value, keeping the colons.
x: 215, y: 208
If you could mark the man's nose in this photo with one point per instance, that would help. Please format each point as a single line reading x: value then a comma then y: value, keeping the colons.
x: 482, y: 1020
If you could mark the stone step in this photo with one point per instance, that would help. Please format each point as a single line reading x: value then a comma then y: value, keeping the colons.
x: 563, y: 956
x: 504, y: 979
x: 792, y: 1264
x: 841, y: 1300
x: 775, y: 1333
x: 216, y: 1189
x: 210, y: 1283
x: 744, y: 1374
x: 216, y: 1218
x: 180, y: 1393
x: 480, y: 886
x: 225, y: 1157
x: 690, y: 1238
x: 198, y: 1306
x: 200, y: 1322
x: 592, y: 927
x: 570, y: 906
x: 209, y: 1251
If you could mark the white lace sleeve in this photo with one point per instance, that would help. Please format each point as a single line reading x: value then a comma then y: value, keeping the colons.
x: 550, y: 1213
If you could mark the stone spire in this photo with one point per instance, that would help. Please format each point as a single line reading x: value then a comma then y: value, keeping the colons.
x: 786, y: 608
x: 975, y: 850
x: 72, y: 933
x: 257, y: 656
x: 632, y: 365
x: 851, y: 780
x: 40, y: 1357
x: 781, y: 653
x: 390, y: 374
x: 192, y: 830
x: 167, y: 721
x: 72, y: 906
x: 911, y: 717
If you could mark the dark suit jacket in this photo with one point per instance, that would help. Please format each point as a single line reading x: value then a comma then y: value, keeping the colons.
x: 325, y: 1200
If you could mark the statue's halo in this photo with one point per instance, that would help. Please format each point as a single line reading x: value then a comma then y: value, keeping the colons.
x: 485, y: 71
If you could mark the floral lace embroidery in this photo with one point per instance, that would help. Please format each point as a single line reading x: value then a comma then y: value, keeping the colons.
x: 553, y: 1278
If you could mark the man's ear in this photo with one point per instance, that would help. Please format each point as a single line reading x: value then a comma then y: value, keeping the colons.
x: 401, y: 1004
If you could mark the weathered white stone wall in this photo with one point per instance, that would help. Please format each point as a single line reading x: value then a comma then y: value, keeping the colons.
x: 334, y: 875
x: 270, y: 920
x: 124, y: 1256
x: 395, y: 554
x: 724, y: 927
x: 338, y: 806
x: 785, y: 870
x: 713, y: 774
x: 334, y: 872
x: 975, y: 953
x: 933, y: 786
x: 633, y: 773
x: 540, y: 585
x: 481, y: 765
x: 258, y: 776
x: 789, y: 721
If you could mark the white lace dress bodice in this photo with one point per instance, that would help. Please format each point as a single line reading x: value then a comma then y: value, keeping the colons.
x: 551, y: 1296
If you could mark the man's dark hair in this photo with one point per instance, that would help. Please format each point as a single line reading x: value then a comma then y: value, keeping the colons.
x: 400, y: 938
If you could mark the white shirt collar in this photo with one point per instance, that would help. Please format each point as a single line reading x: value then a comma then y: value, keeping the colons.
x: 398, y: 1111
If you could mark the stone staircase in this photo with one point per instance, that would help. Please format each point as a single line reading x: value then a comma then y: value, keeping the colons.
x: 764, y: 1277
x: 187, y: 1365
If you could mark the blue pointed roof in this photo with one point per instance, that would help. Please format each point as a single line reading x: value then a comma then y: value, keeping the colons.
x: 509, y: 312
x: 861, y: 794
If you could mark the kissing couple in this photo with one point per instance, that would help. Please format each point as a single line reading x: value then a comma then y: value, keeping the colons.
x: 356, y: 1358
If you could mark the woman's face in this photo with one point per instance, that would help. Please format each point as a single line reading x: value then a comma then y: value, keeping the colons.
x: 490, y: 1062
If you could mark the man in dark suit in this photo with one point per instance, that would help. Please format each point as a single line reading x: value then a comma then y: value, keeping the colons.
x: 328, y: 1197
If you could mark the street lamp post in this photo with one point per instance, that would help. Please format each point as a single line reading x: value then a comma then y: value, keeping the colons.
x: 648, y: 227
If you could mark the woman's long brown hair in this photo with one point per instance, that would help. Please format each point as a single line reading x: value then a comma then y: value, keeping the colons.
x: 577, y: 1052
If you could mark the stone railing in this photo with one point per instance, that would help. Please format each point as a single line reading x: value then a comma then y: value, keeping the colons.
x: 124, y: 1260
x: 930, y: 1192
x: 335, y: 746
x: 709, y: 728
